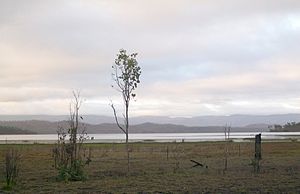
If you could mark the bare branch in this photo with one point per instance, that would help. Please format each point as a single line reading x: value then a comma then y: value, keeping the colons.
x: 116, y: 118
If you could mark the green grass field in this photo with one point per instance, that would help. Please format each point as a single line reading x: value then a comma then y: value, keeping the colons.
x: 154, y: 170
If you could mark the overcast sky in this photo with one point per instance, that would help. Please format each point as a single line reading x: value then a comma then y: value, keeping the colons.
x: 198, y: 57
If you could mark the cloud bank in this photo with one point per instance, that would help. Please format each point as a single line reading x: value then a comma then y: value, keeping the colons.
x: 197, y: 57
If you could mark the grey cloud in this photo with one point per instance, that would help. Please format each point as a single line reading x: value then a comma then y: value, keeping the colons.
x: 201, y: 54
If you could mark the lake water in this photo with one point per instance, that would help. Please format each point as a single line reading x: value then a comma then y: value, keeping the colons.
x: 158, y: 137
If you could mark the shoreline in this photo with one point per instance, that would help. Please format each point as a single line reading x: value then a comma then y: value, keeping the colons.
x: 118, y: 141
x: 154, y: 137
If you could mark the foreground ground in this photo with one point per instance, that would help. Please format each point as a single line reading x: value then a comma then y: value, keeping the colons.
x: 165, y: 168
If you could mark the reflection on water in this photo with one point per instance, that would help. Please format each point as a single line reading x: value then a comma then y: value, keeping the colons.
x: 159, y: 137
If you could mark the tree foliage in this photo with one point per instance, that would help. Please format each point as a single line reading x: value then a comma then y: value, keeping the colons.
x: 126, y: 75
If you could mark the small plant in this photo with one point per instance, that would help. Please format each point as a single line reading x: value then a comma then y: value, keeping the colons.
x: 75, y: 172
x: 12, y: 160
x: 68, y: 154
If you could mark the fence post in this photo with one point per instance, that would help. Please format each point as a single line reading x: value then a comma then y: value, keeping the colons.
x: 257, y: 155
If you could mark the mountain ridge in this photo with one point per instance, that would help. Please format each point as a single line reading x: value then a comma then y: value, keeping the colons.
x: 236, y: 120
x: 9, y: 130
x: 47, y: 127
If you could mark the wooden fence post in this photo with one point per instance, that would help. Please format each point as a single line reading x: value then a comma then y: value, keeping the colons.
x: 257, y: 155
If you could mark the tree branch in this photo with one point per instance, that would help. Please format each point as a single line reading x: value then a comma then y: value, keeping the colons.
x: 116, y: 118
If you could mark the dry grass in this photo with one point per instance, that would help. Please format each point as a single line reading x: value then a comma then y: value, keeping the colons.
x: 152, y: 172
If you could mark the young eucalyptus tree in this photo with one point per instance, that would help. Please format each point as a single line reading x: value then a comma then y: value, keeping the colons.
x: 126, y: 75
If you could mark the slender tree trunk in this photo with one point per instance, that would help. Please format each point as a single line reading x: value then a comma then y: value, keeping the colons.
x: 226, y: 156
x: 128, y: 158
x: 127, y: 131
x: 75, y: 132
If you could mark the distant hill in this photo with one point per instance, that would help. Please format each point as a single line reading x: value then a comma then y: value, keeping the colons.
x: 233, y: 120
x: 44, y: 124
x: 4, y: 130
x: 46, y: 127
x: 289, y: 127
x: 258, y: 126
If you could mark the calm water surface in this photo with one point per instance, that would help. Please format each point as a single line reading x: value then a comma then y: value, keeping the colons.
x: 159, y: 137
